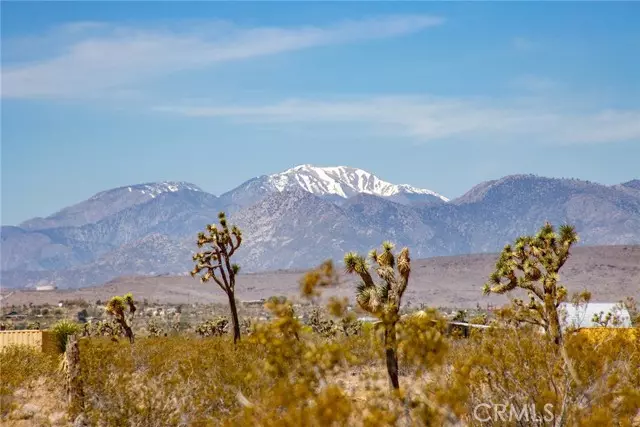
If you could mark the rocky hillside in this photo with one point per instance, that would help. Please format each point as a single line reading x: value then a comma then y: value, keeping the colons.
x: 299, y: 218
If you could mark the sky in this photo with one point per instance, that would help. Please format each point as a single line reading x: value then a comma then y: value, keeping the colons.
x: 439, y: 95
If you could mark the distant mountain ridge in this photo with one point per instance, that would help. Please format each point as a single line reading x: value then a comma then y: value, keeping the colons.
x: 106, y: 203
x: 298, y: 218
x: 634, y: 183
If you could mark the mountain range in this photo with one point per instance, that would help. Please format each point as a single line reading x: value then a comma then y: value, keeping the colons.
x: 297, y: 218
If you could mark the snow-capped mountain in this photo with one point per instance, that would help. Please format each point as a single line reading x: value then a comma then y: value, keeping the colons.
x: 336, y: 182
x: 300, y: 217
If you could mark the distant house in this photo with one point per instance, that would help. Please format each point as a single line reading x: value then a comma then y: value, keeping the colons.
x: 582, y: 316
x: 46, y: 288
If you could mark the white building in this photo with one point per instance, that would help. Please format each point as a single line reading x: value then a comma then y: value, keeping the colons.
x: 582, y: 315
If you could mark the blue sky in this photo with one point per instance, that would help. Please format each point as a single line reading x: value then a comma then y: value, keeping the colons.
x: 437, y: 95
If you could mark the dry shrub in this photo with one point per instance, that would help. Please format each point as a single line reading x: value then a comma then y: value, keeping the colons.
x: 20, y: 367
x: 282, y: 375
x: 21, y: 364
x: 164, y: 381
x: 296, y: 369
x: 306, y: 372
x: 521, y: 367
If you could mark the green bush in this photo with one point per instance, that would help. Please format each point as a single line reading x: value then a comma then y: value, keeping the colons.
x: 62, y: 330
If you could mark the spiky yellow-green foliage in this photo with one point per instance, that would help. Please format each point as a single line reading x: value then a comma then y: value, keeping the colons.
x: 533, y: 264
x: 611, y: 318
x: 383, y: 299
x: 123, y: 308
x: 215, y: 263
x: 62, y: 330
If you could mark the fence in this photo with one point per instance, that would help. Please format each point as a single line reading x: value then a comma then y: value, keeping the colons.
x: 44, y: 341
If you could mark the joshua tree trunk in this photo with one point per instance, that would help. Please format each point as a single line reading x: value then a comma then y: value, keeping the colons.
x: 556, y: 333
x: 128, y: 332
x: 553, y: 318
x: 234, y: 317
x: 391, y: 354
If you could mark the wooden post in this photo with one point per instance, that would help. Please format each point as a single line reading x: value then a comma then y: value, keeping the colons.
x: 75, y: 392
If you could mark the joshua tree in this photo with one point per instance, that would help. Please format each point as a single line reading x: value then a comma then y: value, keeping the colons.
x: 122, y: 309
x: 214, y: 327
x: 215, y: 263
x: 533, y: 264
x: 383, y: 299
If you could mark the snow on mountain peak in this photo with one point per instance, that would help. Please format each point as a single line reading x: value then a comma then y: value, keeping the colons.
x: 155, y: 188
x: 342, y: 181
x: 152, y: 189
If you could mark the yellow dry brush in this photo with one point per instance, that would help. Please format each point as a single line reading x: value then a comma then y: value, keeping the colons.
x: 337, y: 372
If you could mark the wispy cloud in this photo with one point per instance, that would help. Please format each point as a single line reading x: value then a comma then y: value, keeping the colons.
x: 98, y: 57
x: 438, y: 119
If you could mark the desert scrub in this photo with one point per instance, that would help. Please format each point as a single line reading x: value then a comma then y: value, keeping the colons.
x: 20, y: 366
x: 421, y: 341
x: 154, y: 328
x: 519, y: 366
x: 297, y: 368
x: 213, y: 327
x: 166, y: 381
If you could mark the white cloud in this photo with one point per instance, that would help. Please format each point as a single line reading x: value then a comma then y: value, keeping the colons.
x: 437, y: 119
x: 97, y: 58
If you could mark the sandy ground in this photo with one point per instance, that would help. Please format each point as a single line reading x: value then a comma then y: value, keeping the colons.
x: 609, y: 272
